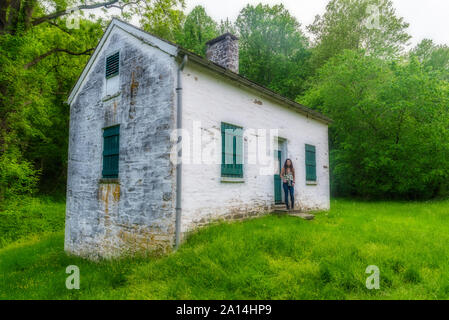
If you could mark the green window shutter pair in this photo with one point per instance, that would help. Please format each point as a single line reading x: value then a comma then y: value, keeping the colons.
x: 112, y: 65
x: 310, y: 163
x: 111, y: 150
x: 232, y: 151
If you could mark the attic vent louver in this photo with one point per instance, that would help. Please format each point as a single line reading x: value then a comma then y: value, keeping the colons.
x: 112, y: 65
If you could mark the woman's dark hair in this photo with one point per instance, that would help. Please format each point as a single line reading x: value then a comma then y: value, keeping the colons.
x: 290, y: 166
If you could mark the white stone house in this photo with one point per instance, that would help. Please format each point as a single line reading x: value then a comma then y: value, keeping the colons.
x: 128, y: 190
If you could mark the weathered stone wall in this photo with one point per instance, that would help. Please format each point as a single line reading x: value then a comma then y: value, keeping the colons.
x: 135, y: 213
x: 224, y: 51
x: 210, y: 99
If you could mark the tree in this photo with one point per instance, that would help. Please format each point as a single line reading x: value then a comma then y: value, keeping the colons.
x: 226, y: 26
x: 33, y: 88
x: 41, y: 59
x: 22, y: 15
x: 371, y: 25
x: 434, y: 57
x: 198, y: 28
x: 163, y: 18
x: 273, y: 49
x: 390, y: 133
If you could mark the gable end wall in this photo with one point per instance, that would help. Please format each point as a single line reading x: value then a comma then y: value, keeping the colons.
x: 136, y: 214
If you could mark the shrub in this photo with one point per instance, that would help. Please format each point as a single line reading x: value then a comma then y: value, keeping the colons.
x: 16, y: 176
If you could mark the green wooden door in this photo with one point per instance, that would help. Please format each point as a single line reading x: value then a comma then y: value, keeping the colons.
x: 278, y: 181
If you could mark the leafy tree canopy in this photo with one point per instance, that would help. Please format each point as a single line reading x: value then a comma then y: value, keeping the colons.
x: 434, y: 57
x: 372, y: 25
x: 273, y: 49
x: 198, y: 28
x: 390, y: 132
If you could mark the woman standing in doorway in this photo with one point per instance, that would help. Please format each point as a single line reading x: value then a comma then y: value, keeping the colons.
x: 288, y: 177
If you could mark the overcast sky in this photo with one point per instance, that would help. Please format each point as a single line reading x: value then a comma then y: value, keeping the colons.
x: 427, y: 18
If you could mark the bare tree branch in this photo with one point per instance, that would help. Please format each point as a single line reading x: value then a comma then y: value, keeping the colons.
x: 121, y: 8
x: 55, y: 50
x: 58, y: 26
x: 60, y: 13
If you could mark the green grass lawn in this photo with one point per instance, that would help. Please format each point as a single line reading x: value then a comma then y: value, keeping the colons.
x: 275, y: 257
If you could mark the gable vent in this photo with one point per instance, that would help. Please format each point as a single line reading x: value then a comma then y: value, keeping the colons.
x: 112, y: 65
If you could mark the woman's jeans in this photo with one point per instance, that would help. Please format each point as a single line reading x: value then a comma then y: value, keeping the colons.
x: 289, y: 190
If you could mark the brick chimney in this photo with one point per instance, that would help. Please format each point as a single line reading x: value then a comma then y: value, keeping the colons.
x: 224, y: 51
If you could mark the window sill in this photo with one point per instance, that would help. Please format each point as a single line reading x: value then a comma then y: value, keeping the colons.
x: 311, y: 183
x: 109, y: 181
x: 232, y: 180
x: 111, y: 96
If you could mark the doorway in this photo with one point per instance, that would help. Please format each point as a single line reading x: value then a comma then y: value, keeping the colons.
x: 280, y: 156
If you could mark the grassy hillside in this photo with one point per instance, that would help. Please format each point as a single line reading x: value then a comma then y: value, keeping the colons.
x: 275, y: 257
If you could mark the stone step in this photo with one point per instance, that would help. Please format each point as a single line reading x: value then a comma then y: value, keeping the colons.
x: 281, y: 209
x: 279, y: 206
x: 305, y: 216
x: 287, y: 211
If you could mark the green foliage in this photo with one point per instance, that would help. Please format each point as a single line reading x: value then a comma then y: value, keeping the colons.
x: 434, y: 57
x: 351, y: 24
x: 389, y: 137
x: 390, y: 130
x: 275, y: 257
x: 226, y: 26
x: 198, y: 28
x: 33, y: 87
x: 162, y: 18
x: 16, y: 177
x: 273, y: 49
x: 25, y: 217
x: 41, y: 59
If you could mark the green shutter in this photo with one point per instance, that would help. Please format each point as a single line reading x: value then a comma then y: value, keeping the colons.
x: 238, y: 152
x: 310, y: 163
x: 111, y: 150
x: 112, y: 65
x: 232, y: 151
